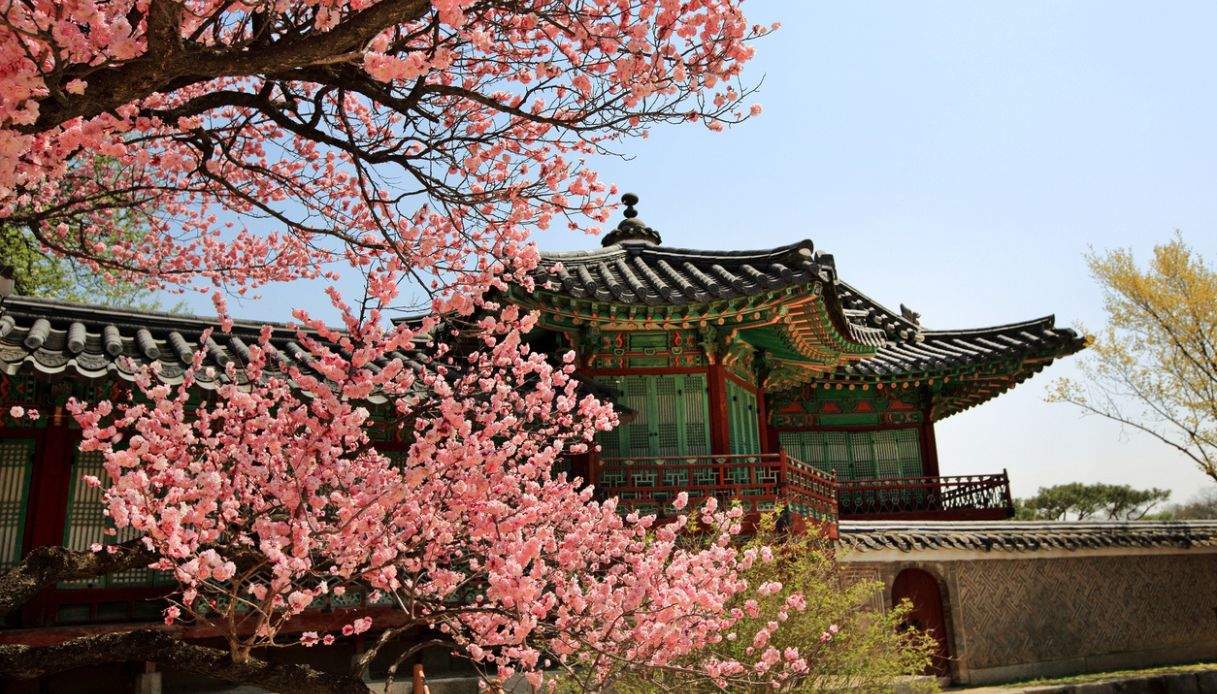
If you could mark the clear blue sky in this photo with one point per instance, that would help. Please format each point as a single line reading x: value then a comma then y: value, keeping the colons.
x: 960, y: 157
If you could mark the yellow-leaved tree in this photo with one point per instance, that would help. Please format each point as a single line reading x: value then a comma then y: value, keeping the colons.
x: 1153, y: 367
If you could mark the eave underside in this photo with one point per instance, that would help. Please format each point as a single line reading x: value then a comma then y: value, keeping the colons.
x: 959, y: 368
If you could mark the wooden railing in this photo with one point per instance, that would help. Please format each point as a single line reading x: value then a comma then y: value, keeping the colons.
x: 649, y: 484
x: 964, y: 497
x: 758, y: 481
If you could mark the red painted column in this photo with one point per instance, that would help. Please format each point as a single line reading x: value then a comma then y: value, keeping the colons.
x: 49, y: 485
x: 929, y: 447
x: 584, y: 464
x: 48, y: 504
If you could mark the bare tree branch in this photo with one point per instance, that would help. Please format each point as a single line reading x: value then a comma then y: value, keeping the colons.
x: 29, y: 662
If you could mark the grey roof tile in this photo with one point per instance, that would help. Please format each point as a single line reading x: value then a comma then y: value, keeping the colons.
x: 53, y: 337
x: 1031, y: 536
x: 655, y: 274
x: 642, y: 272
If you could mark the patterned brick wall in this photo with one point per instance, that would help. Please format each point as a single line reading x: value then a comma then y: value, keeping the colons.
x: 1039, y: 615
x: 1011, y: 612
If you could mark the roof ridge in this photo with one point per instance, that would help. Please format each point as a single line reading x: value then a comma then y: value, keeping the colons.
x: 1043, y: 321
x: 45, y: 335
x: 80, y: 311
x: 881, y: 306
x: 628, y: 247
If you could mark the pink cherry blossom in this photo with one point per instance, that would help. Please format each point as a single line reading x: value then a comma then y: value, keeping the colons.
x: 681, y: 501
x: 421, y: 153
x: 456, y: 133
x: 471, y: 530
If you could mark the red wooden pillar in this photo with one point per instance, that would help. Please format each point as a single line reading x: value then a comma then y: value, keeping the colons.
x: 48, y: 503
x: 720, y: 427
x: 584, y: 464
x: 929, y: 447
x: 49, y: 485
x: 767, y: 437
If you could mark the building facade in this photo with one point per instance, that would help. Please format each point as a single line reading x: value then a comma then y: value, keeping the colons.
x: 752, y: 374
x: 758, y: 377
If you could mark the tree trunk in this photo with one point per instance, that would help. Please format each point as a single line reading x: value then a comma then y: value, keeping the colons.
x: 170, y: 653
x: 46, y: 566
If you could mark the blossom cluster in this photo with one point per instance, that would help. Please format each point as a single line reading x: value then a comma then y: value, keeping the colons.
x: 272, y: 497
x: 439, y: 141
x: 420, y: 144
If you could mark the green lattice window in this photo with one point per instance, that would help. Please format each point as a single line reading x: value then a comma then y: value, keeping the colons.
x: 742, y: 416
x: 86, y: 525
x: 858, y: 454
x: 16, y: 469
x: 671, y: 416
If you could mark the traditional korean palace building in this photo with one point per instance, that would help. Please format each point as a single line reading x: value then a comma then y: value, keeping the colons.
x: 755, y: 376
x: 749, y: 373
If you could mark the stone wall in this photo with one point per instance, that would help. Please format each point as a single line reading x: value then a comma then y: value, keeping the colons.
x: 1033, y: 614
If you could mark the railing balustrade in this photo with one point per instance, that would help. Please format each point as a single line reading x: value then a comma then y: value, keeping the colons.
x: 649, y: 484
x: 759, y: 481
x: 953, y: 496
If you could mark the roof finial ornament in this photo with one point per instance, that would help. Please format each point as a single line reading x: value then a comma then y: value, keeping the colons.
x: 630, y: 200
x: 631, y: 229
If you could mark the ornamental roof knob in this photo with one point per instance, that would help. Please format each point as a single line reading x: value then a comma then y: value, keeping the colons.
x: 630, y: 200
x: 631, y: 228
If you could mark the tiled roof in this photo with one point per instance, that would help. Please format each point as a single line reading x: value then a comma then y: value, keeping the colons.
x: 929, y: 351
x: 1031, y: 536
x: 638, y: 272
x: 942, y: 350
x: 55, y: 337
x: 635, y: 272
x: 1002, y: 357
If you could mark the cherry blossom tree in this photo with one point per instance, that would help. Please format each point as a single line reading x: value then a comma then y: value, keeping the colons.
x: 420, y: 143
x: 272, y: 498
x: 261, y: 141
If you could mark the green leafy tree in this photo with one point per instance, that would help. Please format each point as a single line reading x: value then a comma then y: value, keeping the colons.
x: 1079, y: 501
x: 850, y: 643
x: 58, y: 272
x: 1153, y: 368
x: 42, y: 274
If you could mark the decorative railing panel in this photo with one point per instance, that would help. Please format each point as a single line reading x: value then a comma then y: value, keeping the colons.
x: 954, y: 496
x: 759, y: 481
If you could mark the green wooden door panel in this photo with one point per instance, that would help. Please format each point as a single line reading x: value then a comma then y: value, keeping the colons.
x: 671, y: 417
x: 858, y: 454
x: 742, y: 418
x: 636, y: 433
x: 696, y: 411
x: 16, y: 470
x: 668, y: 434
x: 87, y: 525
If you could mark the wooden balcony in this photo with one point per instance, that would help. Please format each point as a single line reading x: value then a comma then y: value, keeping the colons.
x: 648, y: 484
x: 963, y: 497
x: 758, y: 481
